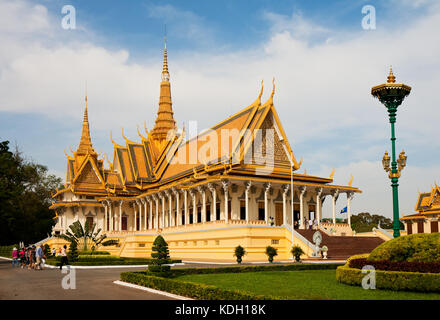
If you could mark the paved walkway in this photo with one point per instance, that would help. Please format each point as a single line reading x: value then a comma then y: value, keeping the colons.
x: 91, y: 284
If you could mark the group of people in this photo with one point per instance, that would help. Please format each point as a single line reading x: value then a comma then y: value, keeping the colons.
x: 33, y: 257
x: 309, y: 224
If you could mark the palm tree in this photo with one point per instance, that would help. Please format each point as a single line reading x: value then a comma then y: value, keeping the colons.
x: 87, y: 233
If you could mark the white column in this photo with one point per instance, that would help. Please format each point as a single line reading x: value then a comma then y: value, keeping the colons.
x: 225, y: 189
x: 170, y: 207
x: 156, y: 203
x: 246, y: 195
x: 203, y: 194
x: 150, y: 209
x: 144, y: 204
x: 285, y: 189
x: 110, y: 209
x: 162, y: 197
x: 135, y: 216
x: 178, y: 213
x: 302, y: 191
x: 193, y: 198
x: 350, y: 196
x: 185, y: 199
x: 105, y: 216
x: 335, y: 195
x: 266, y: 202
x: 318, y: 205
x: 120, y: 215
x: 211, y: 187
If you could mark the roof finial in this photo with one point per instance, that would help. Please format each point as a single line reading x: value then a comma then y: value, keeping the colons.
x: 85, y: 145
x: 391, y: 77
x: 165, y: 73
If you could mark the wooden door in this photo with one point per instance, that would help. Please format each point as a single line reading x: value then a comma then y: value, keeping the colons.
x: 420, y: 228
x: 124, y: 223
x: 434, y: 226
x: 278, y: 214
x: 409, y: 227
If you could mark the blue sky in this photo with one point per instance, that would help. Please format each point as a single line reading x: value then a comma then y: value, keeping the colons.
x: 324, y: 64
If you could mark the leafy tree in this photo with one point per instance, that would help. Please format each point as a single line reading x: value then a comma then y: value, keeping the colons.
x: 365, y: 222
x: 239, y: 252
x: 271, y: 252
x: 46, y: 250
x: 87, y: 234
x: 25, y: 197
x: 160, y: 255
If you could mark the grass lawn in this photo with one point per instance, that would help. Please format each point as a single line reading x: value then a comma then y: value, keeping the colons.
x: 308, y: 284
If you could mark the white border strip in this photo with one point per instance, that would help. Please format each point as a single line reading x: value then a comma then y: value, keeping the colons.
x: 263, y: 262
x: 135, y: 286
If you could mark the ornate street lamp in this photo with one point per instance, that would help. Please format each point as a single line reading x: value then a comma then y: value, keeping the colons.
x: 392, y: 94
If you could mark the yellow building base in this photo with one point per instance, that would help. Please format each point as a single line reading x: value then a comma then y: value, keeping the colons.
x: 215, y: 243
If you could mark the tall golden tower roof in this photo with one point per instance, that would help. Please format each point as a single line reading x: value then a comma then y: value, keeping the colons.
x: 164, y: 121
x: 85, y: 144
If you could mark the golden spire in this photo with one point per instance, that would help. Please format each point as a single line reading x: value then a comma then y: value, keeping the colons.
x: 391, y: 77
x: 165, y: 121
x: 85, y: 144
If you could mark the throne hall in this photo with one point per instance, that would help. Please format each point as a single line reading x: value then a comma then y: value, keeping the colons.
x: 234, y: 184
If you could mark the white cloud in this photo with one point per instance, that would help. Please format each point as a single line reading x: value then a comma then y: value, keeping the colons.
x: 322, y: 91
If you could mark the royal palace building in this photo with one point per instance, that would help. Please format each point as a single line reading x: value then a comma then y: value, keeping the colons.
x: 427, y: 219
x: 236, y: 183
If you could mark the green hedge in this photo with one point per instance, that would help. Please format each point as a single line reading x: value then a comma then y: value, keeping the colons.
x: 286, y: 267
x: 86, y: 260
x: 6, y: 251
x: 392, y: 280
x: 188, y: 289
x: 421, y: 247
x: 94, y: 252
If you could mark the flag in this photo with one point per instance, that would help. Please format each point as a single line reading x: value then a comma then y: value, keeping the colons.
x: 344, y: 210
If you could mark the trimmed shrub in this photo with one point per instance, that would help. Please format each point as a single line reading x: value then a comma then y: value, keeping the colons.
x: 72, y: 254
x: 392, y: 280
x: 296, y: 251
x: 160, y: 255
x: 406, y: 266
x: 239, y: 252
x: 271, y: 252
x: 421, y: 247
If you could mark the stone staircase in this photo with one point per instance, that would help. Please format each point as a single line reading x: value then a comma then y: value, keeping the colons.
x: 342, y: 247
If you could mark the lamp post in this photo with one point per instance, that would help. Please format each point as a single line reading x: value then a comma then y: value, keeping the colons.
x: 391, y: 95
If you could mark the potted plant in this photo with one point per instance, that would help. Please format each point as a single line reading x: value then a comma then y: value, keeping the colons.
x: 239, y: 252
x: 297, y: 252
x: 324, y: 250
x: 271, y: 252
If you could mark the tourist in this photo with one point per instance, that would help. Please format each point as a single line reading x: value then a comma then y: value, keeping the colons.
x: 33, y: 259
x: 310, y: 224
x: 271, y: 221
x: 22, y: 254
x: 27, y: 256
x: 306, y: 223
x: 14, y: 257
x: 315, y: 223
x: 54, y: 251
x: 39, y: 256
x: 64, y: 260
